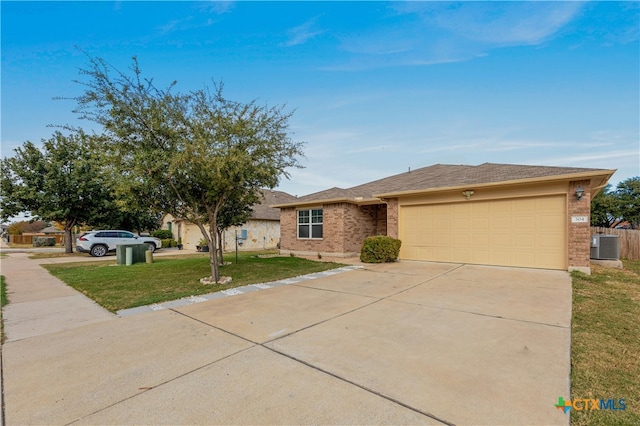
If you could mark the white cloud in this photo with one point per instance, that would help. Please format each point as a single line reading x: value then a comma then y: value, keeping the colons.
x: 303, y: 33
x: 170, y: 26
x: 503, y: 23
x: 371, y: 149
x: 597, y: 156
x: 428, y: 33
x: 217, y: 7
x: 449, y: 147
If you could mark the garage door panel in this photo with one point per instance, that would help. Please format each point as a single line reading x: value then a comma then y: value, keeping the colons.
x: 500, y: 240
x: 499, y: 257
x: 528, y: 232
x: 526, y: 242
x: 479, y: 240
x: 480, y: 256
x: 500, y: 222
x: 480, y: 223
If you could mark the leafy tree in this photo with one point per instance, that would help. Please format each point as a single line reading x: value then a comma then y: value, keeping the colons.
x: 19, y: 228
x: 126, y: 214
x: 628, y: 195
x: 61, y: 182
x: 235, y: 213
x: 611, y: 207
x: 193, y: 154
x: 604, y: 208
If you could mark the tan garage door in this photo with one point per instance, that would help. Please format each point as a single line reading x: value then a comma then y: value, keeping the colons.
x: 528, y: 232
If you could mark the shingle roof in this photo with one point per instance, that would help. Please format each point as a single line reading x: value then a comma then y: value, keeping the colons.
x: 263, y: 211
x: 444, y: 176
x: 51, y: 230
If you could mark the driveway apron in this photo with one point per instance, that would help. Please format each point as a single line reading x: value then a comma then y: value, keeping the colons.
x: 403, y: 343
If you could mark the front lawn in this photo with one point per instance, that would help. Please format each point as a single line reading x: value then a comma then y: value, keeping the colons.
x: 52, y: 255
x: 3, y: 301
x: 3, y: 292
x: 605, y: 343
x: 169, y: 278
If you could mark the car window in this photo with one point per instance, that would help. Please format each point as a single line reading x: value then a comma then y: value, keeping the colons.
x: 126, y: 235
x: 111, y: 234
x: 101, y: 234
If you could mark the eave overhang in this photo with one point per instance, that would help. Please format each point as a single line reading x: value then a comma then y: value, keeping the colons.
x: 598, y: 180
x: 360, y: 201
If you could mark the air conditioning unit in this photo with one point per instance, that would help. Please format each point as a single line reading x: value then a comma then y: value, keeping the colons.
x: 605, y: 247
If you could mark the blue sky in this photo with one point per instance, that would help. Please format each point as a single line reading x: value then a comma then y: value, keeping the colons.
x: 376, y: 87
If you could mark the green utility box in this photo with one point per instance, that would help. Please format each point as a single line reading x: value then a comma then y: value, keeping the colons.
x: 138, y: 253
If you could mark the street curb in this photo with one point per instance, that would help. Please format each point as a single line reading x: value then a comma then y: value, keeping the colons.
x: 231, y: 292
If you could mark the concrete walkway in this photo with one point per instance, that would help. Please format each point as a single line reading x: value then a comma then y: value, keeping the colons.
x: 404, y: 343
x: 42, y: 304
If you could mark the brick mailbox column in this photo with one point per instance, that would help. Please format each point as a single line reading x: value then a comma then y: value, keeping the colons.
x: 579, y: 227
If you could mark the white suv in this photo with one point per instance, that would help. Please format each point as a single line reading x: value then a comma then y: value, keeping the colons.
x: 99, y: 243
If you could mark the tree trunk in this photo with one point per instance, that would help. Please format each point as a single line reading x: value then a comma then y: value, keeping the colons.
x: 220, y: 247
x: 211, y: 237
x: 213, y: 254
x: 68, y: 239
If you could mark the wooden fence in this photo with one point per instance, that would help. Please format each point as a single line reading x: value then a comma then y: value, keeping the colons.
x: 629, y: 241
x: 28, y: 239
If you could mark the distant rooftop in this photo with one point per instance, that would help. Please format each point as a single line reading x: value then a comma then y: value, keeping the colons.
x: 264, y: 211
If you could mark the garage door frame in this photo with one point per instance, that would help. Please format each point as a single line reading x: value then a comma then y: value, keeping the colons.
x: 555, y: 257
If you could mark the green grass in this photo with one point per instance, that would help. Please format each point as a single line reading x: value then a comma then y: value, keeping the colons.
x: 49, y: 255
x: 605, y: 343
x: 3, y: 292
x: 3, y: 301
x: 170, y: 278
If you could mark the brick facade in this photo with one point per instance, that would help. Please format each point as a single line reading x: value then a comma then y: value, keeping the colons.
x: 392, y: 217
x: 361, y: 222
x: 579, y: 233
x: 345, y: 226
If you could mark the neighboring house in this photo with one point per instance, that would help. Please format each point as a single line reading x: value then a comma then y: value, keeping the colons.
x: 49, y: 231
x: 263, y: 229
x: 52, y: 230
x: 493, y: 214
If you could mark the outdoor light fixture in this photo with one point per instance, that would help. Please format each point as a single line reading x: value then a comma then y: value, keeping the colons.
x: 579, y: 193
x: 467, y: 194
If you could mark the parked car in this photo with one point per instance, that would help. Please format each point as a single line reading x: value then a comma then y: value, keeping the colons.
x: 99, y: 243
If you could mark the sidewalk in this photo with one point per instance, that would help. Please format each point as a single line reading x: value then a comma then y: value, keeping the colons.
x: 39, y: 303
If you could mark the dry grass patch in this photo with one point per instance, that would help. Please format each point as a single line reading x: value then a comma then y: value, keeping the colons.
x: 605, y: 343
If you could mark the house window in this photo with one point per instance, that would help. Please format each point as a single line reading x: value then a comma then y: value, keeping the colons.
x: 310, y: 223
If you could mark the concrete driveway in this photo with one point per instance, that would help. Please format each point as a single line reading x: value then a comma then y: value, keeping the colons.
x: 404, y: 343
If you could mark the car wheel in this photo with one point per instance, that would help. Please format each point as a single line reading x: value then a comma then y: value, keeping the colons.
x: 98, y: 250
x: 151, y: 247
